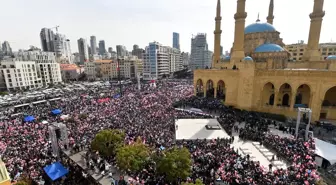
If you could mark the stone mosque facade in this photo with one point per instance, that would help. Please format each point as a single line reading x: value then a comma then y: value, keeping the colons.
x: 259, y: 76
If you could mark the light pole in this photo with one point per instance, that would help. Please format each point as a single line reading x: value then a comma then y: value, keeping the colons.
x: 119, y: 78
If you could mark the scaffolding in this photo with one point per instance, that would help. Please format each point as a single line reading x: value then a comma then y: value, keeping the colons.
x: 298, y: 121
x: 63, y: 140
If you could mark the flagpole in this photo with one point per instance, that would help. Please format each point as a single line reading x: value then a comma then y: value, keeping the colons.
x: 119, y: 80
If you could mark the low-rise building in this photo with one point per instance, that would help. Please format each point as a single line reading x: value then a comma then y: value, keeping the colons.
x: 296, y: 50
x: 70, y: 72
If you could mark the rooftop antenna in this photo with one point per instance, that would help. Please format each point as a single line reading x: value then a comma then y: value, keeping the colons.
x: 258, y: 20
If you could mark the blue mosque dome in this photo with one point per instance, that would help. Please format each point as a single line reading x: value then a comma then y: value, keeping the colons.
x: 259, y: 27
x: 248, y: 58
x: 268, y: 48
x: 331, y: 57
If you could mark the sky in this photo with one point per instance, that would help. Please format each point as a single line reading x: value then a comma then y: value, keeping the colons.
x: 129, y: 22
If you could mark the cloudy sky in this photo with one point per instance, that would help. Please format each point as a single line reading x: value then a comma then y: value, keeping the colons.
x: 129, y: 22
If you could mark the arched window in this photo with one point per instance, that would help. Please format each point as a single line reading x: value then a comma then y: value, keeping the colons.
x: 298, y: 99
x: 271, y: 100
x: 285, y: 100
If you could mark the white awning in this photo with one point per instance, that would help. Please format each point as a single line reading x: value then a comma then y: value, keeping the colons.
x: 325, y: 150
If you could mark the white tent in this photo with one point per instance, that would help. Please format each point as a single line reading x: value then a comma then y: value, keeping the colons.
x: 325, y: 150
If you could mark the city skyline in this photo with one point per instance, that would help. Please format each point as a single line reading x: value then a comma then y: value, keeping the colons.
x: 148, y: 21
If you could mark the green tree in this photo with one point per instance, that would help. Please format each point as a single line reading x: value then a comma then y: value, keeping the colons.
x: 197, y: 182
x: 21, y: 183
x: 175, y: 163
x: 132, y: 157
x: 107, y: 142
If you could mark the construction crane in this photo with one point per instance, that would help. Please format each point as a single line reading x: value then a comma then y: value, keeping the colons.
x: 56, y: 27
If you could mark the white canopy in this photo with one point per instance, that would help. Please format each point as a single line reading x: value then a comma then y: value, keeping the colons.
x: 326, y: 150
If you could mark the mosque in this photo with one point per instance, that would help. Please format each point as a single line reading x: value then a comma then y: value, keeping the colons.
x: 259, y: 76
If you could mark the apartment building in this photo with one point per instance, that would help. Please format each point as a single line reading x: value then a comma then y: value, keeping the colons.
x: 296, y: 50
x: 20, y: 75
x: 156, y: 61
x: 108, y: 70
x: 70, y: 72
x: 174, y: 57
x: 47, y: 67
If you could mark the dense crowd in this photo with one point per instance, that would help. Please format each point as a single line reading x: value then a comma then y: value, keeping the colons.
x: 150, y: 115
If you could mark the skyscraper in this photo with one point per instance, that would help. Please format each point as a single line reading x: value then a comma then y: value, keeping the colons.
x: 6, y: 49
x: 121, y: 51
x: 47, y: 39
x: 176, y: 40
x: 156, y: 61
x: 102, y: 49
x: 199, y: 55
x: 83, y: 50
x: 110, y: 49
x: 93, y: 44
x: 62, y: 48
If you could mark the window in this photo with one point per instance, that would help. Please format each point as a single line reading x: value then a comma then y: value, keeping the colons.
x: 8, y: 75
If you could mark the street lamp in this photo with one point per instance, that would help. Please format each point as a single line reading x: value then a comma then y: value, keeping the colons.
x: 119, y: 78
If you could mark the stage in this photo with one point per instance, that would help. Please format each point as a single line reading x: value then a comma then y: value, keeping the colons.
x: 191, y: 129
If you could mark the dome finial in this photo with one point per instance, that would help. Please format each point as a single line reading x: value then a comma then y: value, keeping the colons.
x: 258, y: 20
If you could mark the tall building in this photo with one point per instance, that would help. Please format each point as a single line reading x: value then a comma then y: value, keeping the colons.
x: 297, y: 50
x: 121, y: 51
x: 93, y: 44
x: 199, y: 58
x: 176, y: 40
x: 6, y: 49
x: 185, y: 57
x: 83, y: 50
x: 139, y: 52
x: 110, y: 50
x: 47, y: 39
x: 156, y: 61
x: 174, y: 58
x: 102, y: 49
x: 62, y: 48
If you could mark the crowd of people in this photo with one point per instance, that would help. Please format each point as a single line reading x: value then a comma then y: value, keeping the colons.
x: 150, y: 114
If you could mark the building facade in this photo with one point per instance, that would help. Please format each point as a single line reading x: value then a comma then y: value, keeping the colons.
x: 121, y: 51
x: 176, y: 40
x: 259, y: 76
x: 47, y: 67
x: 47, y: 40
x: 175, y: 62
x: 185, y: 57
x: 156, y: 61
x: 62, y: 49
x: 83, y: 51
x: 70, y: 72
x: 296, y: 50
x: 108, y: 70
x: 6, y: 49
x: 199, y: 55
x: 102, y: 48
x: 139, y: 52
x: 20, y: 75
x: 93, y: 44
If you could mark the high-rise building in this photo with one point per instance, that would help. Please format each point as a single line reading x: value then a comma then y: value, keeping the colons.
x: 110, y: 50
x: 175, y: 62
x: 199, y: 55
x: 6, y: 49
x: 121, y: 51
x: 139, y: 52
x: 185, y: 59
x: 102, y: 49
x: 47, y: 39
x: 156, y: 61
x: 93, y: 44
x: 62, y: 48
x: 83, y: 50
x: 176, y: 40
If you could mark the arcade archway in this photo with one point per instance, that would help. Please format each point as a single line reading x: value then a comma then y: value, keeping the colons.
x: 268, y: 94
x: 302, y: 98
x: 285, y: 94
x: 199, y: 88
x: 221, y: 90
x: 210, y: 89
x: 330, y: 98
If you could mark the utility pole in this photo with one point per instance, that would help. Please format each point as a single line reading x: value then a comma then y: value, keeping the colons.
x: 119, y: 78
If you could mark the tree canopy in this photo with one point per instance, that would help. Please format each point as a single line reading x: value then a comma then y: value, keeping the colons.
x: 132, y: 157
x: 21, y: 183
x: 175, y: 164
x: 107, y: 142
x: 197, y: 182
